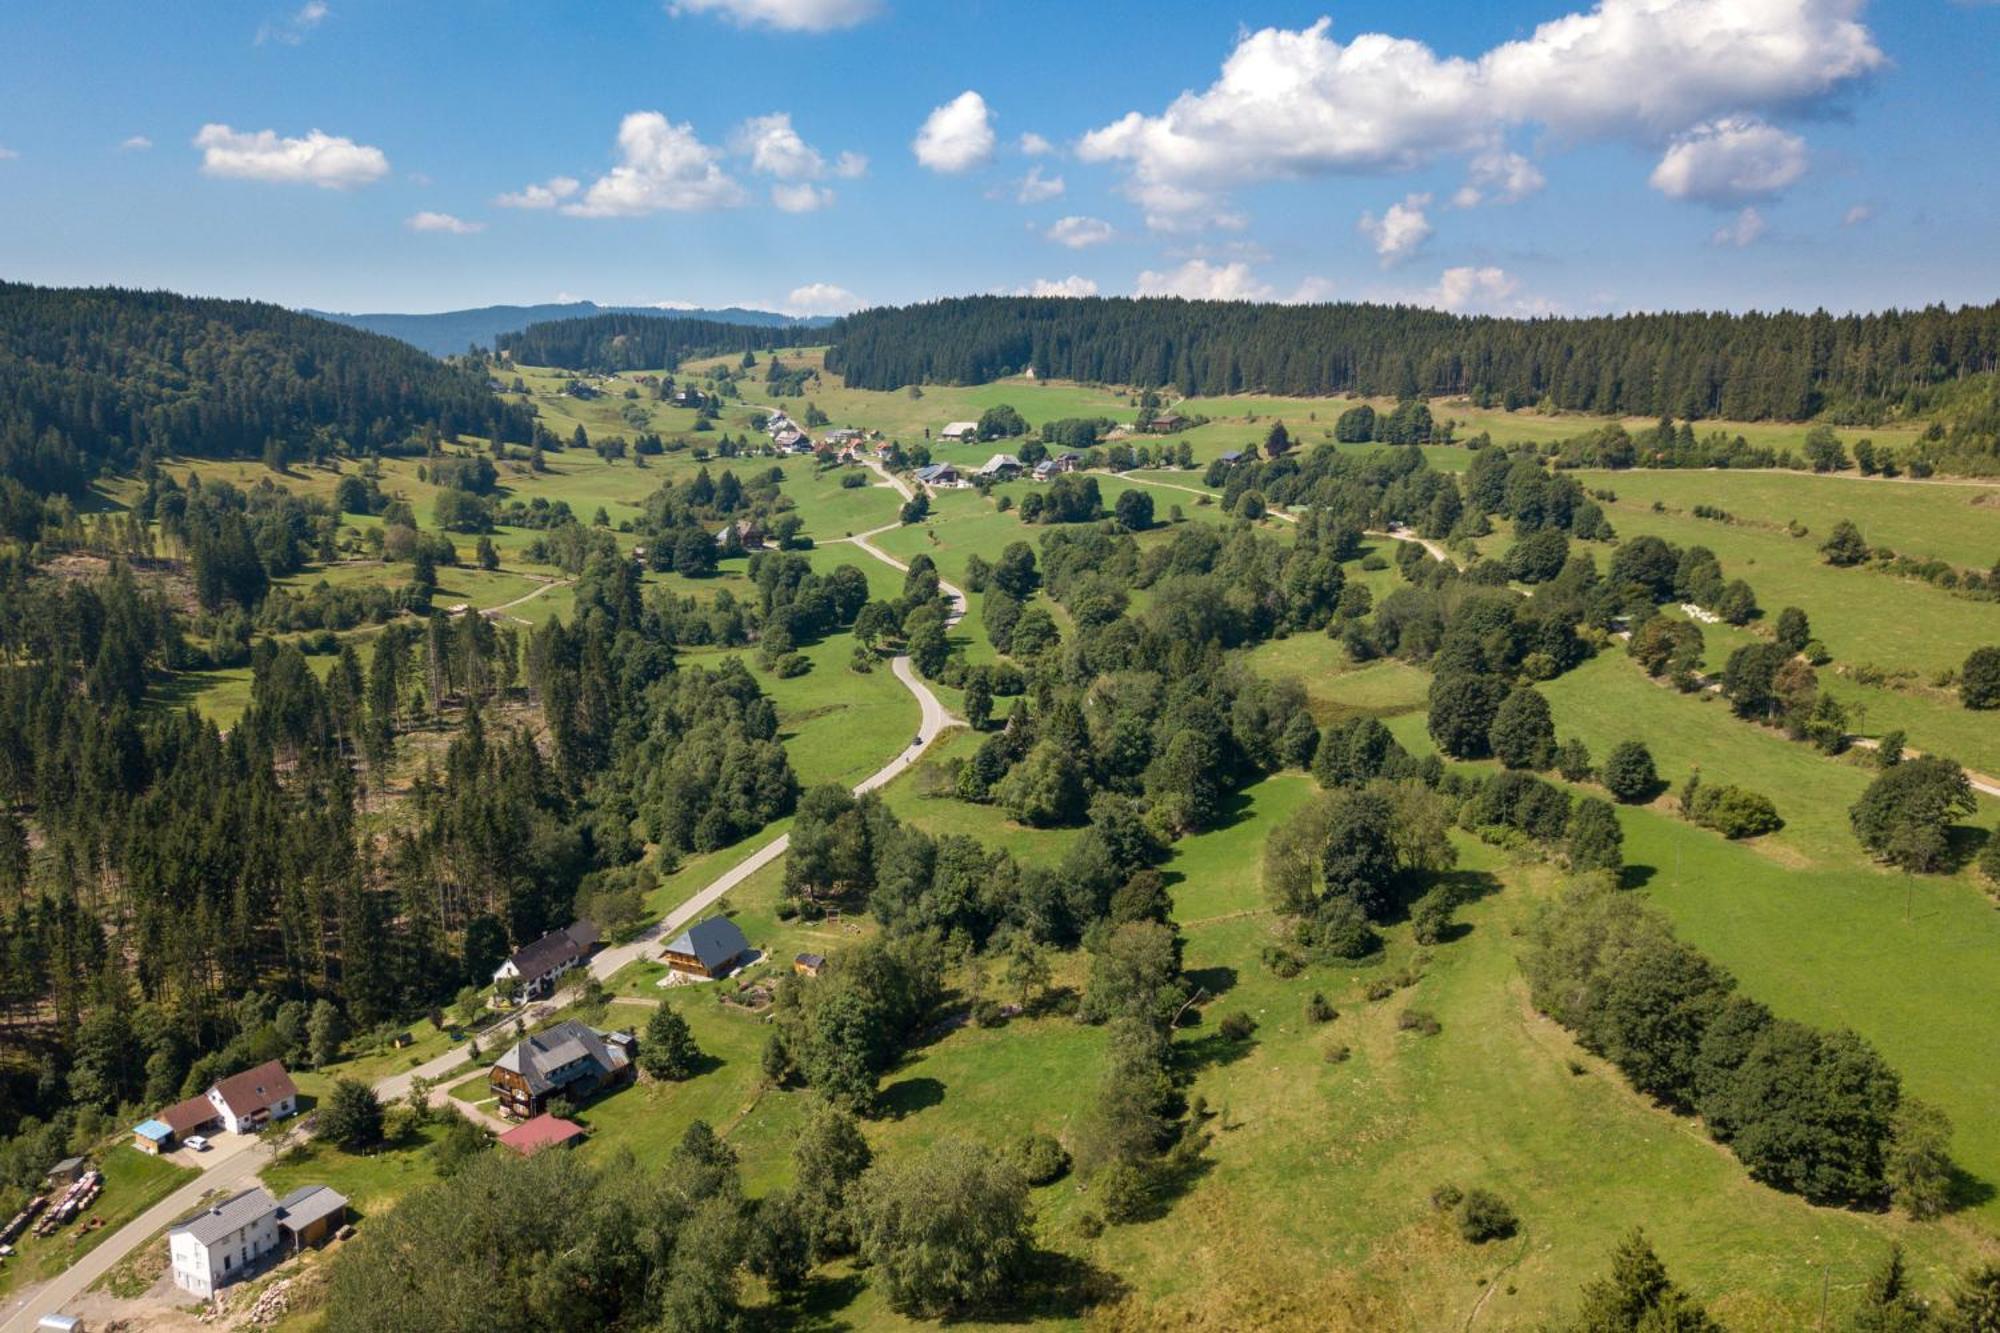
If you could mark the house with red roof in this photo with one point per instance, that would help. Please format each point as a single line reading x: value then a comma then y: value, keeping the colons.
x: 544, y: 1131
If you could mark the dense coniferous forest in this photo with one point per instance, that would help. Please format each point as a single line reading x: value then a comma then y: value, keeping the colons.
x: 91, y: 378
x: 1744, y: 367
x: 641, y: 342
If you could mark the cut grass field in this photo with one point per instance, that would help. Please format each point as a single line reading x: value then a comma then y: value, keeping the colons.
x: 1807, y: 923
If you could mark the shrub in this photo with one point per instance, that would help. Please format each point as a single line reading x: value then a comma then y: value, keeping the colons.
x: 1844, y: 546
x: 1283, y: 962
x: 1979, y: 679
x: 1629, y: 773
x: 1483, y: 1216
x: 1089, y: 1225
x: 1430, y: 916
x: 1573, y: 760
x: 1237, y: 1026
x: 1041, y: 1158
x: 1989, y: 859
x: 1446, y: 1196
x: 1320, y: 1010
x: 1380, y: 989
x: 1337, y: 1054
x: 1420, y: 1021
x: 988, y: 1013
x: 1734, y: 812
x: 1123, y: 1191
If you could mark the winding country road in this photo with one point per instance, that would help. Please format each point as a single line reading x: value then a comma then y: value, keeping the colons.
x: 235, y: 1162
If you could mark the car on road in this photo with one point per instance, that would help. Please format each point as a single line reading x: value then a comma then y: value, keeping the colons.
x: 197, y: 1142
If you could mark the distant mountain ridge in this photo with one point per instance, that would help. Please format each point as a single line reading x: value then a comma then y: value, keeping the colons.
x: 450, y: 332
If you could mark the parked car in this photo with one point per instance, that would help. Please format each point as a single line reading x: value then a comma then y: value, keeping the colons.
x: 197, y: 1142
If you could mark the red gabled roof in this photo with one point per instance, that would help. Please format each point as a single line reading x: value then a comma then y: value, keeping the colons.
x: 186, y: 1117
x: 257, y: 1089
x: 531, y: 1136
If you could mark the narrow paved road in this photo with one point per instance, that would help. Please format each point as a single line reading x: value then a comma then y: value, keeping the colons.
x: 235, y: 1169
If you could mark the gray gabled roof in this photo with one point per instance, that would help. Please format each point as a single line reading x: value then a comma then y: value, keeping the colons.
x: 558, y: 948
x: 308, y: 1204
x: 231, y: 1215
x: 714, y: 942
x: 537, y: 1058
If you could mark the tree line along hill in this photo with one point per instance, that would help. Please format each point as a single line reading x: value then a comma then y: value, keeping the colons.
x: 1857, y: 369
x: 92, y: 378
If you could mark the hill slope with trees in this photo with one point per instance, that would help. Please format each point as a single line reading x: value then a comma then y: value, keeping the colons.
x: 90, y: 378
x: 643, y: 342
x: 1688, y: 365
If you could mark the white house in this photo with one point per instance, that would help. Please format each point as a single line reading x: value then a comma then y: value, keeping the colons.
x: 248, y: 1101
x: 220, y: 1246
x: 535, y: 967
x: 964, y: 431
x: 1001, y: 466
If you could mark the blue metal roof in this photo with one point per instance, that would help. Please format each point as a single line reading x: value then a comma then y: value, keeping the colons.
x: 153, y: 1129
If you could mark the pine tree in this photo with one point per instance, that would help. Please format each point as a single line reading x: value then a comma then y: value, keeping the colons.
x: 668, y: 1050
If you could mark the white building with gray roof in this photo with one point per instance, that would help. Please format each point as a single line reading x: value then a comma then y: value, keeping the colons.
x: 225, y: 1242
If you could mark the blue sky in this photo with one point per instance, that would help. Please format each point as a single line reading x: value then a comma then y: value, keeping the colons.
x: 814, y: 155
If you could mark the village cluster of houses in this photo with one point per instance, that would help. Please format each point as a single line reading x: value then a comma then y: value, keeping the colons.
x: 1000, y: 467
x: 239, y: 1236
x: 243, y: 1234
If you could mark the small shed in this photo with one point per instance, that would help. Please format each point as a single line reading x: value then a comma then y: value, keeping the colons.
x: 808, y: 964
x: 67, y: 1171
x: 544, y: 1131
x: 310, y: 1214
x: 152, y: 1136
x: 709, y: 949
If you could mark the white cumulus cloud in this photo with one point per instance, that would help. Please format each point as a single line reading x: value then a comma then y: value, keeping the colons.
x: 1499, y: 177
x: 1311, y: 291
x: 1400, y: 230
x: 1291, y: 104
x: 1199, y: 280
x: 1034, y: 145
x: 546, y: 195
x: 775, y: 149
x: 1730, y: 161
x: 1856, y: 215
x: 1035, y: 188
x: 325, y: 160
x: 821, y: 298
x: 956, y: 136
x: 1741, y: 230
x: 138, y: 143
x: 1074, y: 285
x: 800, y: 197
x: 294, y: 27
x: 444, y: 222
x: 784, y: 15
x: 1079, y: 233
x: 1469, y: 289
x: 665, y: 167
